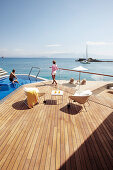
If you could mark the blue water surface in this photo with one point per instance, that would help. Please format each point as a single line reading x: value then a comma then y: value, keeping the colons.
x: 23, y: 66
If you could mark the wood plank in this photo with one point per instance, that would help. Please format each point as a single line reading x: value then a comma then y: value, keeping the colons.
x: 101, y: 143
x: 29, y: 141
x: 51, y: 136
x: 30, y: 131
x: 17, y: 140
x: 24, y: 145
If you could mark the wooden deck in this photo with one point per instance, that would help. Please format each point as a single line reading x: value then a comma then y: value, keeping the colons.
x: 50, y: 136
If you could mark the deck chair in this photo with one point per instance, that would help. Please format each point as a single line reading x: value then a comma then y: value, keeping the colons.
x: 80, y: 97
x: 33, y: 96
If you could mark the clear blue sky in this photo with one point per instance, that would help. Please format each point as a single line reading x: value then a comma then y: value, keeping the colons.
x: 58, y: 28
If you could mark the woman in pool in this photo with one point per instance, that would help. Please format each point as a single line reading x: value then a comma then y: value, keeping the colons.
x: 54, y: 68
x: 12, y: 77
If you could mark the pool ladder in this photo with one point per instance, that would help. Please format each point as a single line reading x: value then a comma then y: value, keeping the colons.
x: 31, y: 71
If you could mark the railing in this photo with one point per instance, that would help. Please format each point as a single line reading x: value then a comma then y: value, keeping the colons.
x: 31, y: 71
x: 85, y: 72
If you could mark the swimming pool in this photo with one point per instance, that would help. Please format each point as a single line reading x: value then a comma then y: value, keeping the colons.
x: 6, y: 87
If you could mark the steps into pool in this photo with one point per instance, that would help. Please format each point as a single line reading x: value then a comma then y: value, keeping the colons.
x: 2, y: 72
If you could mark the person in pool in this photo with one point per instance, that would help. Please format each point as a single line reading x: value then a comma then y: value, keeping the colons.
x: 54, y: 68
x: 13, y: 77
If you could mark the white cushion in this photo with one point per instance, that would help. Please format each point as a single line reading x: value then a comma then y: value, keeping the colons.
x: 84, y: 93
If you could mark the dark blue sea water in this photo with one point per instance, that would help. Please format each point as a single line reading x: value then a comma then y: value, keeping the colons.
x: 23, y: 65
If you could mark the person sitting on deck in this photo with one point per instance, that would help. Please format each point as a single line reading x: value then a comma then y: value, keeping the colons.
x: 71, y: 81
x: 13, y: 76
x: 83, y: 82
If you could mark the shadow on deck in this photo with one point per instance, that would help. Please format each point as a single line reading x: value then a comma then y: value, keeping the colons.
x: 73, y: 110
x: 96, y: 152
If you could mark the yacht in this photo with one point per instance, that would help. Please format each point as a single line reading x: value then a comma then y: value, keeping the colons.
x: 85, y: 62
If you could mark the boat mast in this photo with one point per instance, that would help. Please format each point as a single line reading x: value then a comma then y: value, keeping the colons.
x: 86, y: 51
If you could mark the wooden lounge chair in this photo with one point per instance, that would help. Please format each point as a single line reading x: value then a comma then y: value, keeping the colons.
x: 80, y: 97
x: 33, y: 96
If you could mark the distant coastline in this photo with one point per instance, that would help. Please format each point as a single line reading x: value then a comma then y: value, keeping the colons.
x: 93, y: 60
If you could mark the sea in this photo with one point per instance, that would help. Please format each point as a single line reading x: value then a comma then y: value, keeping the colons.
x: 23, y: 66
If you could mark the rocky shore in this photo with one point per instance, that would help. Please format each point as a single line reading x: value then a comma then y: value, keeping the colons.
x: 93, y: 60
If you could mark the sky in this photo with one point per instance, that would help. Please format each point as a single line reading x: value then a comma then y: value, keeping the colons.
x: 56, y: 28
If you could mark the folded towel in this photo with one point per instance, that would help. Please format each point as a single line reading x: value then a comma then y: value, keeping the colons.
x: 27, y: 89
x: 32, y: 97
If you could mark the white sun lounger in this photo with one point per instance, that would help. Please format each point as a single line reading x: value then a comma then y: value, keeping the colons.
x: 80, y: 97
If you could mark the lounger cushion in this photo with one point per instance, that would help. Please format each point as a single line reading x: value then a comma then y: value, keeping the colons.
x: 83, y: 93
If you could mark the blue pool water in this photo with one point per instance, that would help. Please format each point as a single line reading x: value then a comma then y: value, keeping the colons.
x: 6, y: 87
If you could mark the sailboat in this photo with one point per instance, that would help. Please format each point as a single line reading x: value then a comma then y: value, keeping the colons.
x: 86, y: 61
